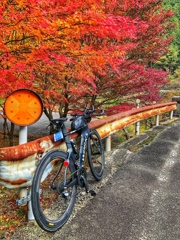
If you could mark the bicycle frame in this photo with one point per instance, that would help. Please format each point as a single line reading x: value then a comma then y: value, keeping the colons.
x: 80, y: 171
x: 84, y: 136
x: 85, y: 131
x: 65, y: 171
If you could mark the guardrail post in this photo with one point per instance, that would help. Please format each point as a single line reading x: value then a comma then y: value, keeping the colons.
x: 157, y: 120
x: 137, y: 128
x: 137, y: 125
x: 23, y: 192
x: 108, y: 144
x: 30, y: 211
x: 171, y: 114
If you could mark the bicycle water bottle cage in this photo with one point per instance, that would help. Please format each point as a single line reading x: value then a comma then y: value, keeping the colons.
x: 78, y: 123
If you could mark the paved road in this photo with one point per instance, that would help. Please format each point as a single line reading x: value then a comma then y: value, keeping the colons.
x: 38, y: 128
x: 140, y: 201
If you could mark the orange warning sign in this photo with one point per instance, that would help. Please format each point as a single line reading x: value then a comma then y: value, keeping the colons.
x: 23, y: 107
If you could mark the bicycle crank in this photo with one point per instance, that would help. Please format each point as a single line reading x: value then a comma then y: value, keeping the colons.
x: 82, y: 181
x: 82, y: 178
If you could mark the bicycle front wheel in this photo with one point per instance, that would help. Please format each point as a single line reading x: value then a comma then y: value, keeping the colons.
x: 52, y: 204
x: 95, y: 154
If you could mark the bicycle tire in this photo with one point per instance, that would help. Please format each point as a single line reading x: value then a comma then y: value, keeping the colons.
x: 95, y: 153
x: 50, y: 207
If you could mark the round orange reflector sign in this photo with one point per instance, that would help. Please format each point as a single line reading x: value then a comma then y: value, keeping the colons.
x: 23, y: 107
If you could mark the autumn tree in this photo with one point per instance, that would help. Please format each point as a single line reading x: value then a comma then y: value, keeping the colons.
x: 135, y: 77
x: 80, y: 52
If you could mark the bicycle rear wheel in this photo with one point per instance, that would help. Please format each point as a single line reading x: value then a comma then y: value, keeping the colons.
x: 95, y: 155
x: 51, y: 204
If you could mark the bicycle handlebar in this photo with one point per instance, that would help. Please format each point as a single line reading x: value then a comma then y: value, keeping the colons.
x: 88, y: 113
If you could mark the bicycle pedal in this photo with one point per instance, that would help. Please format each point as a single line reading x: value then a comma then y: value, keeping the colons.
x: 92, y: 192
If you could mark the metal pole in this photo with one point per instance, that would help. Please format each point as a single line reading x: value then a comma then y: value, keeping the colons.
x: 108, y: 144
x: 157, y: 120
x: 30, y: 211
x: 138, y: 123
x: 23, y: 139
x: 23, y: 191
x: 137, y: 128
x: 171, y: 114
x: 22, y: 135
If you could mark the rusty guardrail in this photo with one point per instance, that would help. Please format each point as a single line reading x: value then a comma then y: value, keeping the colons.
x: 18, y: 163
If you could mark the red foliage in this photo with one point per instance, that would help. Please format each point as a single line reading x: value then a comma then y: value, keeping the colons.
x: 123, y: 107
x: 73, y: 50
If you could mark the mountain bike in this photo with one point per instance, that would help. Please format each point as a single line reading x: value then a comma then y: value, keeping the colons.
x: 59, y: 173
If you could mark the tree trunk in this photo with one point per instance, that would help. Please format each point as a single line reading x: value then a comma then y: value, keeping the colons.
x: 11, y: 135
x: 49, y: 114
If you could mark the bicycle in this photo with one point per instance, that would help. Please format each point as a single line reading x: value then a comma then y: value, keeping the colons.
x: 59, y: 173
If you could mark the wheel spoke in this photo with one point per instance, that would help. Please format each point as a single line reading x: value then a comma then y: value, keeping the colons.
x: 52, y: 198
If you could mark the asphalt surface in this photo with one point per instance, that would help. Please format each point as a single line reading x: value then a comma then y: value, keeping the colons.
x: 140, y: 199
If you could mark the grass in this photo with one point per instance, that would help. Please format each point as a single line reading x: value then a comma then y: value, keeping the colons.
x: 145, y: 142
x: 131, y: 129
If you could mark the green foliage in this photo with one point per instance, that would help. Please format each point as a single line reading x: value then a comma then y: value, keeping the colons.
x: 171, y: 61
x: 175, y: 79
